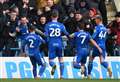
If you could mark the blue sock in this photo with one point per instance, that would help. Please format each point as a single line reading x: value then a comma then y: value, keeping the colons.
x: 85, y: 73
x: 76, y: 65
x: 51, y: 63
x: 61, y: 68
x: 105, y: 64
x: 90, y: 66
x: 34, y: 71
x: 42, y: 68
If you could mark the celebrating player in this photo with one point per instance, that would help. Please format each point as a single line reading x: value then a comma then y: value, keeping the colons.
x: 31, y: 48
x: 100, y: 37
x: 54, y: 31
x: 82, y: 40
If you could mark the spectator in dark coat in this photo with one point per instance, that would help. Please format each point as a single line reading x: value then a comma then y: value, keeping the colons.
x: 82, y: 6
x: 113, y: 28
x: 8, y: 37
x: 103, y: 11
x: 25, y: 8
x: 51, y: 6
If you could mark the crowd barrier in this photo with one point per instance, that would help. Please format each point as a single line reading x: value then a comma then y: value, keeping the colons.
x: 20, y: 67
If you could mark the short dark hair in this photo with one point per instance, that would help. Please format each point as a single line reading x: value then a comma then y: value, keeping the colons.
x: 31, y: 27
x: 54, y: 13
x: 82, y: 25
x: 98, y: 17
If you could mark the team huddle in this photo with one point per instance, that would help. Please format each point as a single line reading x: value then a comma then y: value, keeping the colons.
x: 54, y: 32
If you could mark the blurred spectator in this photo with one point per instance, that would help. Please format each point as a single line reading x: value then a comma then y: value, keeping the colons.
x: 67, y: 5
x: 4, y: 7
x: 8, y: 36
x: 69, y: 21
x: 41, y: 23
x: 100, y: 5
x: 103, y: 11
x: 114, y: 33
x: 41, y: 4
x: 90, y: 23
x: 82, y: 6
x: 110, y: 43
x: 117, y: 44
x: 78, y: 18
x: 51, y: 6
x: 15, y: 9
x: 117, y: 36
x: 25, y: 8
x: 93, y: 3
x: 72, y: 23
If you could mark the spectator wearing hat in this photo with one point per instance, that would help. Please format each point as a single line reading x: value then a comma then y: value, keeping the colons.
x: 90, y: 23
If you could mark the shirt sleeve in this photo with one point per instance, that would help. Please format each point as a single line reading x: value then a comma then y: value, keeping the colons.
x: 96, y: 31
x: 46, y: 30
x: 41, y: 39
x: 75, y: 34
x: 65, y: 31
x: 89, y: 36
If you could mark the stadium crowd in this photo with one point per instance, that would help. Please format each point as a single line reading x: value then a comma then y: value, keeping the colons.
x: 17, y: 15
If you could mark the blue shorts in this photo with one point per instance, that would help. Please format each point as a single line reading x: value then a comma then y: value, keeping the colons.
x: 55, y: 51
x: 97, y: 53
x: 81, y: 56
x: 37, y: 59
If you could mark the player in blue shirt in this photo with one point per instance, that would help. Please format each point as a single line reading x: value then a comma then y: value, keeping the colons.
x: 100, y: 37
x: 82, y: 40
x: 54, y: 31
x: 31, y: 48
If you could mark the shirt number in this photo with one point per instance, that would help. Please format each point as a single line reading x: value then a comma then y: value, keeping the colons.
x: 83, y: 38
x: 102, y: 34
x: 31, y: 43
x: 55, y: 32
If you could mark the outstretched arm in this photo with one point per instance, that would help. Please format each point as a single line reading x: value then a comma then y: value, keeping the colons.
x: 66, y: 37
x: 40, y: 32
x: 96, y: 45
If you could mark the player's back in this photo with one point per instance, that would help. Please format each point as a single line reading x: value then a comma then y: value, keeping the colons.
x: 33, y: 42
x: 82, y: 39
x: 54, y: 30
x: 100, y: 35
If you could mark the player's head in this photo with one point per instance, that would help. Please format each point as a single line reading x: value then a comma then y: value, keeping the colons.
x: 98, y: 19
x: 81, y: 26
x: 31, y: 28
x: 23, y: 20
x: 54, y: 14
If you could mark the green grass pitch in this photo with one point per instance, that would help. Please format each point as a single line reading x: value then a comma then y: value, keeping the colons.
x: 59, y: 80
